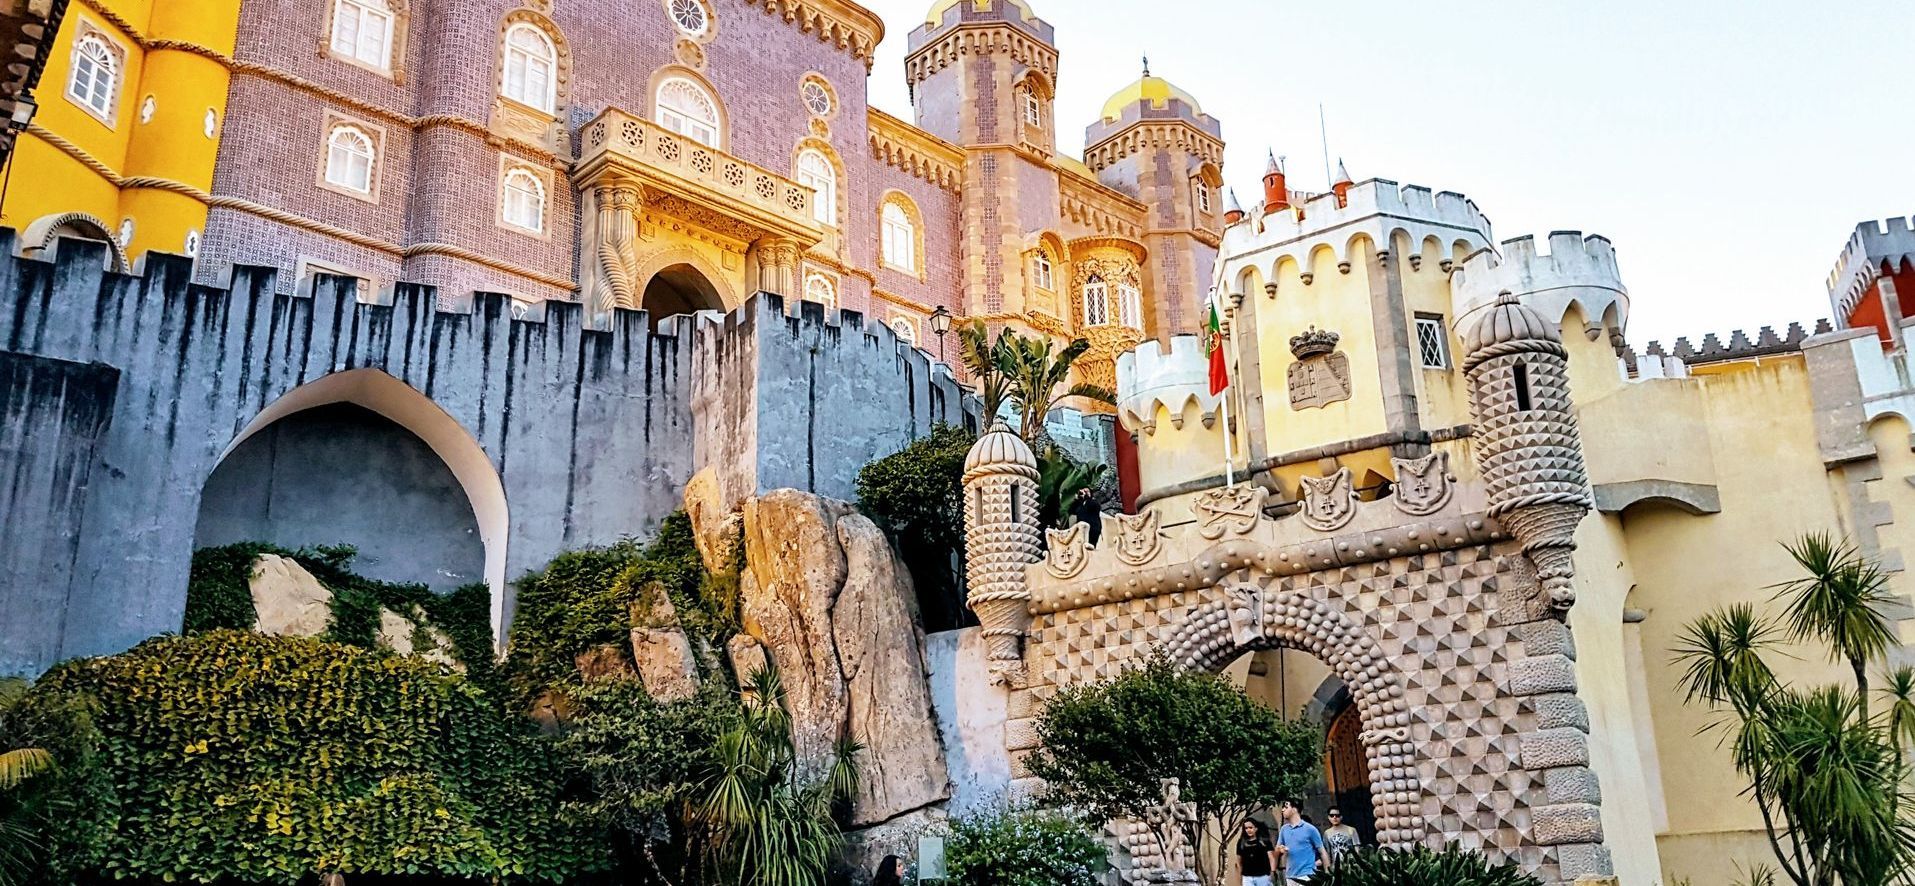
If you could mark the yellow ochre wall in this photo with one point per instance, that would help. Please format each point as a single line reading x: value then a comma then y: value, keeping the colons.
x: 156, y: 172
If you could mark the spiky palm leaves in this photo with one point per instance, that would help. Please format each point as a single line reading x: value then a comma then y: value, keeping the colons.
x: 767, y: 821
x: 19, y: 841
x: 1839, y: 602
x: 1026, y: 371
x: 1825, y: 777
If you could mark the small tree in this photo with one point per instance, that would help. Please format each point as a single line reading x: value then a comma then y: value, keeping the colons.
x: 1106, y: 746
x: 986, y: 361
x: 1825, y: 777
x: 916, y: 494
x: 1023, y: 848
x: 1035, y: 376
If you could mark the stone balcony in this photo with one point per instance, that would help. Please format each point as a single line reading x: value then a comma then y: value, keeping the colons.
x: 618, y: 148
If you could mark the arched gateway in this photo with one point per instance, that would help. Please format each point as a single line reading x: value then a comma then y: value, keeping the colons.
x: 1440, y: 606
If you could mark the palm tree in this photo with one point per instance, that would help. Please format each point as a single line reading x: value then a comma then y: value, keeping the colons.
x: 1839, y: 602
x: 19, y: 838
x: 1035, y: 375
x: 765, y: 824
x: 986, y: 360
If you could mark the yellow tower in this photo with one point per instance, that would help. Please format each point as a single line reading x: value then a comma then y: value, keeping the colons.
x: 131, y: 107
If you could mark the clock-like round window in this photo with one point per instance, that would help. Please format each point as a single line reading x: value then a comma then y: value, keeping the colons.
x: 816, y: 97
x: 690, y: 16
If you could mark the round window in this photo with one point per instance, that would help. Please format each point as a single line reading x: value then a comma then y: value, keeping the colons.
x: 690, y: 16
x: 816, y: 97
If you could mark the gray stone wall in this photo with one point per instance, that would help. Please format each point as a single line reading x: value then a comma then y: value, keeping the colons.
x: 586, y: 431
x: 804, y: 402
x: 343, y: 474
x: 52, y: 416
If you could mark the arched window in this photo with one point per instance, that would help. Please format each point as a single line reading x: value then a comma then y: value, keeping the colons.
x: 820, y: 289
x: 900, y: 238
x: 349, y: 158
x: 362, y: 31
x: 684, y: 107
x: 531, y: 68
x: 95, y: 79
x: 1096, y: 301
x: 1041, y: 269
x: 815, y: 172
x: 522, y: 203
x: 907, y: 330
x: 1130, y: 306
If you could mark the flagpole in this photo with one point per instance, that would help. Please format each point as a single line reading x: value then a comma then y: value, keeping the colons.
x: 1223, y: 406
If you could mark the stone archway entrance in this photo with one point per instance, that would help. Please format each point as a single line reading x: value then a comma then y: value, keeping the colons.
x: 679, y: 289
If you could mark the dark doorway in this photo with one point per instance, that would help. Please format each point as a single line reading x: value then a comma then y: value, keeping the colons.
x: 1346, y: 773
x: 679, y: 289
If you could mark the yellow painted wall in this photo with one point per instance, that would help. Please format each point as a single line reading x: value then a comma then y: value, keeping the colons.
x: 1339, y: 303
x: 158, y: 44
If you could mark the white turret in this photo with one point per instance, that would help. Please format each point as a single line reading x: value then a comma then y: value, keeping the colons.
x: 1001, y: 537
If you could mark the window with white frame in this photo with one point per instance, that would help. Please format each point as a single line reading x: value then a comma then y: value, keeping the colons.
x: 1033, y: 108
x: 1130, y: 306
x: 691, y: 17
x: 684, y: 107
x: 907, y: 330
x: 350, y: 158
x: 1203, y: 198
x: 94, y: 82
x: 1096, y: 301
x: 1043, y: 272
x: 531, y: 68
x: 1432, y: 343
x: 362, y: 31
x: 820, y: 289
x: 816, y: 172
x: 900, y: 238
x: 522, y: 200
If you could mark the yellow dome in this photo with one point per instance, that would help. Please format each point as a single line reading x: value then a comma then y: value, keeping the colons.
x: 1155, y: 90
x: 936, y: 16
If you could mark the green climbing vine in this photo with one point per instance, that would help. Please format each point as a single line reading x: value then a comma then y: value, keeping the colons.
x: 234, y: 756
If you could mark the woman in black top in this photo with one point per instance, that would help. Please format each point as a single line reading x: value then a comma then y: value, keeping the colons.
x: 1256, y: 855
x: 890, y: 872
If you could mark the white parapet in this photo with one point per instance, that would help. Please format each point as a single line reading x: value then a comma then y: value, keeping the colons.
x: 1576, y: 270
x: 1377, y: 209
x: 1149, y: 379
x: 1862, y: 258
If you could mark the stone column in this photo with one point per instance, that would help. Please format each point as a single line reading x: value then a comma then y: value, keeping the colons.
x: 611, y: 241
x: 778, y: 266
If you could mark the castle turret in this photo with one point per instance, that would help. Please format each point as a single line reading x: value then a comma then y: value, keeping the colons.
x: 1341, y: 187
x: 1276, y: 194
x: 1528, y: 447
x: 1001, y: 537
x: 1232, y: 210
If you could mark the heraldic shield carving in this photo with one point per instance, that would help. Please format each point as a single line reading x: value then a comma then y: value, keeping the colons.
x: 1069, y: 550
x: 1329, y: 502
x: 1138, y: 537
x: 1423, y: 485
x: 1231, y: 510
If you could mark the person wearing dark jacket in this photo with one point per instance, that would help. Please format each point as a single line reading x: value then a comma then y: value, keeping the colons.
x: 890, y: 872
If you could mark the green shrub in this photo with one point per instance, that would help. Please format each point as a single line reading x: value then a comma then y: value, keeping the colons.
x: 264, y: 760
x: 1422, y: 866
x: 1023, y: 849
x: 219, y: 593
x: 916, y: 495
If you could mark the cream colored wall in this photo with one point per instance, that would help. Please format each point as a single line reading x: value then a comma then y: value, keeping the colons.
x: 1757, y: 428
x: 1334, y: 301
x: 1442, y: 395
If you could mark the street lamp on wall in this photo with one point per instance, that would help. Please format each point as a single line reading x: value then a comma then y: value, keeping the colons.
x: 941, y: 324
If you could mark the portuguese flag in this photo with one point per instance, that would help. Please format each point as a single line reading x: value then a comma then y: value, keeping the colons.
x: 1213, y: 341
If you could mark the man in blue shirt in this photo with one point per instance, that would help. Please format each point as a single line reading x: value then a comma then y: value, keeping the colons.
x: 1303, y: 848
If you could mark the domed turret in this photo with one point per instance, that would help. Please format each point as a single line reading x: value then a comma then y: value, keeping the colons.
x: 1154, y: 91
x: 1528, y: 447
x: 936, y: 16
x: 1001, y: 537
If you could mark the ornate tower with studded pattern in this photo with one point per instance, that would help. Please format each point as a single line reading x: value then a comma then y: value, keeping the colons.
x: 1528, y: 446
x: 1000, y: 539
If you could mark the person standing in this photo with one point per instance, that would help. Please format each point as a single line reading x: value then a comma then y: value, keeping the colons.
x: 890, y: 872
x: 1256, y: 855
x: 1342, y: 839
x: 1303, y: 849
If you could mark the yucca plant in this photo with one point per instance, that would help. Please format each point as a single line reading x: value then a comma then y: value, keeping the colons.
x: 1422, y: 866
x: 1838, y: 602
x: 986, y: 360
x: 1039, y: 379
x: 767, y: 820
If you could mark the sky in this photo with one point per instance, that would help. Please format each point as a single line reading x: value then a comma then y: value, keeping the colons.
x: 1728, y: 149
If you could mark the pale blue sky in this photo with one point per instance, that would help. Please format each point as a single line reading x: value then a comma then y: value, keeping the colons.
x: 1728, y: 148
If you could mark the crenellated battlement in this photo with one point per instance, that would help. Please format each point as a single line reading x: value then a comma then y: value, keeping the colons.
x: 1672, y: 361
x: 1874, y: 244
x: 1149, y: 378
x: 1377, y: 209
x: 1575, y: 271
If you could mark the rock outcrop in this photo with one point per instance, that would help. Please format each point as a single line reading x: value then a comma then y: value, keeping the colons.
x: 289, y: 601
x: 660, y: 648
x: 823, y: 596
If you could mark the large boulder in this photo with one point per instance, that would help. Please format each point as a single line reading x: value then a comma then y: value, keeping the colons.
x: 717, y: 528
x: 882, y: 657
x: 288, y: 599
x: 823, y: 596
x: 794, y: 571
